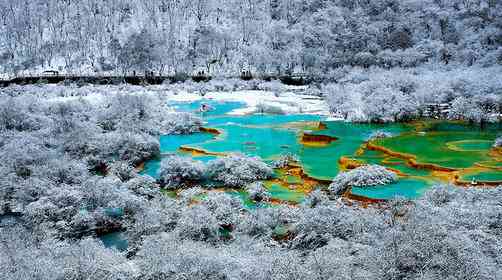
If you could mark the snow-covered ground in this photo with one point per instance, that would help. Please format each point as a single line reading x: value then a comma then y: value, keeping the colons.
x: 286, y: 101
x: 256, y: 101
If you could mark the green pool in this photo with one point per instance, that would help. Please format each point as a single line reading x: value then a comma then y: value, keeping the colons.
x: 450, y: 145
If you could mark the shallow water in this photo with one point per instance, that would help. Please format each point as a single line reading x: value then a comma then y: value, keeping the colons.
x: 455, y: 146
x: 114, y: 240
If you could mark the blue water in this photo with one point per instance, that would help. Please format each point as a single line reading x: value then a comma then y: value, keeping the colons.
x: 405, y: 187
x: 114, y: 240
x: 268, y: 136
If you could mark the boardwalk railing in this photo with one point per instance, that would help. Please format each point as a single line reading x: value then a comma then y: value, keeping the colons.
x: 296, y: 79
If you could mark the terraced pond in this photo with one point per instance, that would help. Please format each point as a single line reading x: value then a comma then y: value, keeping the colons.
x: 420, y: 153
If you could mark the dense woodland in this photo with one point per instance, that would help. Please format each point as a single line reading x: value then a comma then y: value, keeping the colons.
x: 58, y: 142
x: 229, y: 36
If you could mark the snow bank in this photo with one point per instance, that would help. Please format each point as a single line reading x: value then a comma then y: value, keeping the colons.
x: 289, y: 101
x: 255, y: 100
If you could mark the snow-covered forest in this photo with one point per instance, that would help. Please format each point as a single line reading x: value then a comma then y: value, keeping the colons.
x: 77, y: 200
x: 229, y: 36
x: 58, y: 141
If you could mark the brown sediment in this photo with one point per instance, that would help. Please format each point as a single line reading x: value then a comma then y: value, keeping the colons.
x: 398, y: 172
x: 445, y: 176
x: 496, y: 152
x: 275, y: 201
x: 306, y: 183
x: 360, y: 150
x: 316, y: 139
x: 419, y: 125
x: 298, y: 171
x: 349, y: 163
x: 365, y: 201
x: 199, y: 152
x: 310, y: 125
x: 140, y: 167
x: 410, y: 159
x: 483, y: 165
x: 479, y: 184
x: 213, y: 131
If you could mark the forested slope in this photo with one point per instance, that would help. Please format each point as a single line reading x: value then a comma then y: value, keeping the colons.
x: 228, y: 36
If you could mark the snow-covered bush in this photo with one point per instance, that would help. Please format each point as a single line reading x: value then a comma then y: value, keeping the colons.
x: 316, y: 198
x: 143, y: 186
x: 284, y: 160
x: 198, y: 223
x: 257, y: 192
x: 182, y: 123
x: 498, y: 142
x: 13, y: 115
x: 363, y: 176
x: 464, y: 108
x: 366, y: 95
x: 237, y: 170
x: 188, y: 195
x: 122, y: 170
x: 63, y: 171
x: 224, y: 207
x: 274, y: 86
x: 137, y: 148
x: 176, y: 170
x: 379, y: 134
x: 264, y: 108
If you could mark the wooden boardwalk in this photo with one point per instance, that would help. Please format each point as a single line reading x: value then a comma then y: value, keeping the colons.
x: 134, y: 79
x: 100, y: 80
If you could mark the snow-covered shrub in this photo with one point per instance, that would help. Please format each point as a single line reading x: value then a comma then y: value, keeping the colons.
x: 137, y: 148
x: 198, y: 223
x: 366, y: 95
x: 316, y: 198
x: 367, y: 175
x: 264, y: 108
x: 237, y: 170
x: 176, y: 170
x: 498, y: 142
x: 284, y: 160
x: 463, y: 108
x: 13, y: 115
x: 402, y: 58
x: 188, y: 195
x: 182, y: 123
x: 143, y: 186
x: 164, y: 256
x: 439, y: 195
x: 63, y: 171
x: 274, y: 86
x: 379, y: 134
x: 388, y: 104
x: 257, y: 192
x: 224, y: 207
x: 122, y: 170
x: 341, y: 100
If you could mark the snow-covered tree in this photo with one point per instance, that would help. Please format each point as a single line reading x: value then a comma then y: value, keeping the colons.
x: 498, y: 142
x: 237, y: 170
x: 464, y: 109
x: 257, y: 192
x: 364, y: 176
x: 176, y: 170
